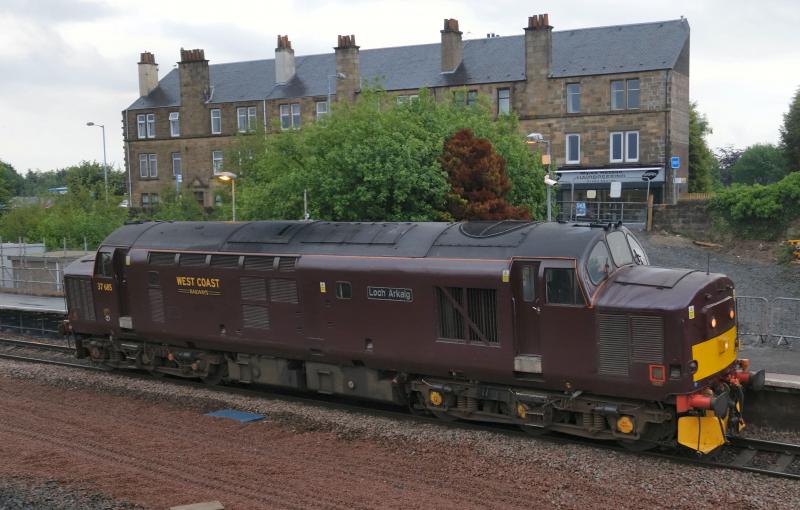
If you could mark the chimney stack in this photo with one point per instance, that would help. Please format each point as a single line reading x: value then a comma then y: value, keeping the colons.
x: 148, y: 73
x: 348, y: 68
x: 538, y: 47
x: 195, y: 87
x: 452, y: 46
x: 284, y: 60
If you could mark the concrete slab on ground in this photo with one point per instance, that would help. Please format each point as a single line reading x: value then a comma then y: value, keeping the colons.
x: 26, y: 303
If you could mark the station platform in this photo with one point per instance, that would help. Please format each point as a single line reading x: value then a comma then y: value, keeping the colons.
x: 28, y: 303
x: 781, y: 363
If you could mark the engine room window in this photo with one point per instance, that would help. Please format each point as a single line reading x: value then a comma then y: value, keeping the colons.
x: 528, y: 283
x: 344, y: 290
x: 104, y: 266
x: 561, y: 287
x: 599, y: 264
x: 620, y: 250
x: 639, y: 256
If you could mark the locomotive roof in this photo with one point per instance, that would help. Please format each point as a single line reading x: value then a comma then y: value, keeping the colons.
x: 479, y: 239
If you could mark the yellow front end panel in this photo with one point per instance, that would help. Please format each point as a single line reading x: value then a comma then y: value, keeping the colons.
x: 715, y: 354
x: 701, y: 433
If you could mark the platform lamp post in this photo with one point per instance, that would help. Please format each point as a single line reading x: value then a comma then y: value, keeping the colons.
x: 225, y: 177
x: 535, y: 138
x: 105, y: 165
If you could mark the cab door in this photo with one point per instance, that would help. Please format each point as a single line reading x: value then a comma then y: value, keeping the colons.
x: 527, y: 307
x: 104, y: 288
x: 110, y: 285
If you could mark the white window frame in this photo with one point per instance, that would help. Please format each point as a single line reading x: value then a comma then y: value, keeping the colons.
x: 241, y: 119
x: 251, y: 118
x: 174, y: 124
x: 286, y: 118
x: 624, y: 146
x: 141, y: 126
x: 621, y: 136
x: 566, y: 146
x: 153, y: 164
x: 151, y: 125
x: 507, y: 100
x: 629, y: 159
x: 216, y: 161
x: 623, y: 101
x: 144, y: 167
x: 216, y: 114
x: 296, y: 118
x: 148, y: 166
x: 321, y: 112
x: 407, y: 98
x: 628, y: 93
x: 571, y: 94
x: 176, y: 158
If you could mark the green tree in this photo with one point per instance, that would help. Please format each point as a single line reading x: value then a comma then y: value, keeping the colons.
x: 757, y: 211
x: 701, y: 159
x: 174, y: 206
x: 790, y: 134
x: 374, y: 160
x: 478, y: 180
x: 759, y: 164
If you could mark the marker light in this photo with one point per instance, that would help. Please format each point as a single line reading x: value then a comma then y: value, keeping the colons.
x: 732, y: 314
x: 713, y: 322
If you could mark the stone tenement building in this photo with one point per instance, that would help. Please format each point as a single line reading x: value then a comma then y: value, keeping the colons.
x: 613, y: 102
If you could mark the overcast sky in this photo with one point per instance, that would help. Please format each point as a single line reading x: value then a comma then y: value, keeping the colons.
x: 63, y: 63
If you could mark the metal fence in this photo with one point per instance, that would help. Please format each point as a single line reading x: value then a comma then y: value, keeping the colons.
x: 761, y: 321
x: 27, y: 268
x: 603, y: 212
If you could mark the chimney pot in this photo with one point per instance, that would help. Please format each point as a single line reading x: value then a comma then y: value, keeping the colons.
x: 148, y: 73
x: 284, y: 60
x: 452, y: 48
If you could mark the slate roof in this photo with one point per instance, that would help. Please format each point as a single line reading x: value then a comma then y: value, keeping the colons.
x: 588, y: 51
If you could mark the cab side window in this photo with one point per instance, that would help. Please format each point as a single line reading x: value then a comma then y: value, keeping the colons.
x: 104, y: 266
x: 528, y: 283
x: 562, y: 289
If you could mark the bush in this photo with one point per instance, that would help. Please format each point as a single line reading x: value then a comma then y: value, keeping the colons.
x: 760, y: 212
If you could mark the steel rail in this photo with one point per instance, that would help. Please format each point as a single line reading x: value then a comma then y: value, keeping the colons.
x: 744, y: 454
x: 36, y: 345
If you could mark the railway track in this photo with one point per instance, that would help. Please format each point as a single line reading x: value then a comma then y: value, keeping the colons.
x: 744, y: 454
x: 31, y: 344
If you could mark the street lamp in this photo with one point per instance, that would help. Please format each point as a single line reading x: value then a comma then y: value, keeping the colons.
x: 534, y: 138
x: 230, y: 176
x: 105, y: 166
x: 338, y: 76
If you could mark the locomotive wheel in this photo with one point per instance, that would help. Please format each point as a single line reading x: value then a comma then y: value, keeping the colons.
x: 415, y: 405
x: 651, y: 437
x: 215, y: 375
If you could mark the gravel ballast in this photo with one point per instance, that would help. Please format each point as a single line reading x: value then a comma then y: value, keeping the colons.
x: 339, y: 452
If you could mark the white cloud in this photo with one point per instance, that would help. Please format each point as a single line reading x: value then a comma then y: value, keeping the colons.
x: 63, y: 63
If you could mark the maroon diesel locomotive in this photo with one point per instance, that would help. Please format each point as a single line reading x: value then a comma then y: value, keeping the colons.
x: 545, y: 325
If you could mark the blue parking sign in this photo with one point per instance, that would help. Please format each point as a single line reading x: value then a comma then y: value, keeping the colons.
x: 676, y: 161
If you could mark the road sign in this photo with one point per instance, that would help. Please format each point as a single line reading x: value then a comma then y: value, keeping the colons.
x: 616, y: 190
x: 676, y: 161
x: 179, y: 178
x: 580, y: 208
